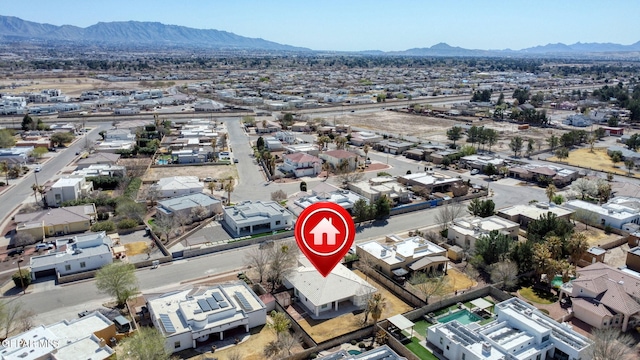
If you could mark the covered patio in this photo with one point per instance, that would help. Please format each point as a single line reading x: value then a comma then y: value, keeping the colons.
x: 398, y: 324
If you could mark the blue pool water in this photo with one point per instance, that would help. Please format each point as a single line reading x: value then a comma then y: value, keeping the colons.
x: 463, y: 316
x: 163, y: 161
x: 354, y: 352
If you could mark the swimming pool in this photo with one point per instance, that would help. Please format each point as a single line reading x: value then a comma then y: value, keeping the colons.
x: 557, y: 281
x: 163, y: 161
x: 463, y: 316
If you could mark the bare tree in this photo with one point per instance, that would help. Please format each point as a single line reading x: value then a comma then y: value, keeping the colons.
x: 23, y: 239
x: 200, y: 213
x: 283, y: 259
x: 258, y: 259
x: 278, y: 196
x: 366, y: 264
x: 137, y: 167
x: 611, y: 344
x: 164, y: 225
x: 430, y: 285
x: 449, y: 212
x: 505, y: 273
x: 350, y: 177
x: 13, y: 317
x: 287, y: 341
x: 25, y: 319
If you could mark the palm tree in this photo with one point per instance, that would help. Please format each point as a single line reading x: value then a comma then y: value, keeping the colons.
x: 366, y: 149
x: 550, y: 191
x: 326, y: 167
x: 576, y: 247
x: 541, y: 259
x: 228, y: 187
x: 5, y: 169
x: 214, y: 143
x: 35, y: 189
x: 555, y: 246
x: 340, y: 141
x: 375, y: 306
x: 211, y: 186
x: 565, y: 269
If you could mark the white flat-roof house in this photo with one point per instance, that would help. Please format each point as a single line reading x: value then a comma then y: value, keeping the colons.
x: 66, y: 189
x: 320, y: 294
x: 324, y: 192
x: 186, y: 205
x: 612, y: 214
x: 119, y: 134
x: 73, y: 255
x: 399, y: 255
x: 248, y: 218
x: 523, y: 214
x: 83, y: 338
x: 467, y: 230
x: 190, y: 316
x: 178, y: 186
x: 431, y: 182
x: 519, y: 332
x: 376, y: 187
x: 16, y: 155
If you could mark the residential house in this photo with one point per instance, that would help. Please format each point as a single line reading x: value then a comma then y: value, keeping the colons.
x: 177, y: 186
x: 112, y: 146
x: 67, y: 188
x: 267, y: 126
x: 633, y: 259
x: 480, y: 161
x: 383, y: 352
x: 249, y: 218
x: 301, y: 126
x: 310, y: 149
x: 286, y: 136
x: 74, y: 255
x: 324, y: 192
x: 604, y: 297
x: 398, y: 256
x: 56, y: 221
x: 393, y: 146
x: 207, y: 106
x: 519, y: 331
x: 97, y: 159
x: 437, y: 157
x: 301, y: 164
x: 524, y: 214
x: 592, y: 255
x: 320, y: 294
x: 188, y: 317
x: 612, y: 131
x: 119, y: 135
x: 429, y: 181
x: 612, y: 213
x: 16, y: 155
x: 336, y: 157
x: 272, y: 143
x: 465, y: 231
x: 101, y: 170
x: 361, y: 138
x: 187, y: 205
x: 192, y: 156
x: 83, y: 338
x: 577, y: 120
x: 376, y: 187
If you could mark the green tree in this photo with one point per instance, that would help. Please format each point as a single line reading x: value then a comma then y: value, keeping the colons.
x: 547, y: 225
x: 38, y: 152
x: 500, y: 99
x: 287, y: 121
x: 562, y: 153
x: 550, y: 191
x: 360, y: 211
x: 260, y: 143
x: 516, y: 145
x: 616, y: 157
x: 147, y: 343
x: 613, y: 121
x: 530, y: 146
x: 522, y: 95
x: 630, y: 164
x: 543, y: 262
x: 375, y: 307
x: 482, y: 208
x: 522, y: 254
x: 429, y: 284
x: 454, y: 134
x: 229, y: 186
x: 382, y: 207
x: 61, y: 138
x: 493, y: 247
x: 7, y: 139
x: 553, y: 141
x: 131, y: 210
x: 28, y: 123
x: 118, y: 280
x: 280, y: 323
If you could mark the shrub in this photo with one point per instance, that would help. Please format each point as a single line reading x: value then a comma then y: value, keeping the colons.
x: 2, y: 183
x: 353, y: 342
x: 127, y: 224
x: 25, y: 274
x: 107, y: 226
x: 132, y: 189
x: 607, y: 229
x: 313, y: 356
x: 103, y: 216
x: 361, y: 345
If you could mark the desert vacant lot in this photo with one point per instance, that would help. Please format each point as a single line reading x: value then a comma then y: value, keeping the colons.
x: 597, y: 160
x: 214, y: 171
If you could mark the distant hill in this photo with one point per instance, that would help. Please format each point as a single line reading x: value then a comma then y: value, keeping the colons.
x: 134, y: 32
x: 156, y: 34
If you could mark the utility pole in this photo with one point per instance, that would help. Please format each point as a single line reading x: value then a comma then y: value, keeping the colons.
x: 24, y: 291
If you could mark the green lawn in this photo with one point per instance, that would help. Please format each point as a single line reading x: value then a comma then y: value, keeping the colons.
x: 421, y: 327
x: 420, y: 350
x: 537, y: 295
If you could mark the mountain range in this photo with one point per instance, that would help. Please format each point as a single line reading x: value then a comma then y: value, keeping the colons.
x: 13, y: 29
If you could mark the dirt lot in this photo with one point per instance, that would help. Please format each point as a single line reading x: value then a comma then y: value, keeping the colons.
x: 596, y: 160
x: 434, y: 129
x: 70, y: 86
x: 596, y: 236
x: 327, y: 329
x: 214, y: 171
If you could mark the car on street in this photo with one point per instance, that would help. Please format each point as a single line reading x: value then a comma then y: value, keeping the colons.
x: 37, y: 168
x: 14, y: 252
x: 208, y: 179
x: 475, y: 172
x: 84, y: 313
x: 44, y: 246
x: 235, y: 161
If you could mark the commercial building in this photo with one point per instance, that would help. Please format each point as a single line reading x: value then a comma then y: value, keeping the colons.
x: 190, y: 316
x: 519, y: 332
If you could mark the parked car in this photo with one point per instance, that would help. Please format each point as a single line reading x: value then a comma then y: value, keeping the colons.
x: 17, y: 251
x: 84, y: 313
x: 475, y: 172
x: 235, y: 161
x: 208, y: 179
x: 37, y: 168
x: 44, y: 246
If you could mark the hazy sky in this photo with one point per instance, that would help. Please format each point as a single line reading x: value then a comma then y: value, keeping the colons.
x: 366, y: 24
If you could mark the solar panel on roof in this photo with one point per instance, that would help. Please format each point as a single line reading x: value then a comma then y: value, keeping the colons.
x: 243, y: 301
x: 204, y: 305
x: 213, y: 303
x: 216, y: 295
x: 223, y: 304
x: 167, y: 324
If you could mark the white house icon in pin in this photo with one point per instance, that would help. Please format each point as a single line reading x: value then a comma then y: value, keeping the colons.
x: 324, y: 227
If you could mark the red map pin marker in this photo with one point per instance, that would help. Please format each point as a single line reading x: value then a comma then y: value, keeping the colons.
x: 324, y: 232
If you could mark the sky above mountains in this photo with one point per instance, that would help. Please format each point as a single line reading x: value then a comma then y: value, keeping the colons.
x: 356, y: 25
